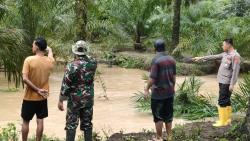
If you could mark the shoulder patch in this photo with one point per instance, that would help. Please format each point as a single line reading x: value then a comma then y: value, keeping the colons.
x: 237, y: 59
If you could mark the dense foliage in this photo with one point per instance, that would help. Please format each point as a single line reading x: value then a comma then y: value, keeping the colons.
x: 119, y: 25
x: 240, y: 98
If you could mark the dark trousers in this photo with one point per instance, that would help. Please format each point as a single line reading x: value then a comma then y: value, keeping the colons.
x: 224, y: 95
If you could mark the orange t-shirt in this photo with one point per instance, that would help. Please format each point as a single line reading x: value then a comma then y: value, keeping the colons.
x: 38, y: 69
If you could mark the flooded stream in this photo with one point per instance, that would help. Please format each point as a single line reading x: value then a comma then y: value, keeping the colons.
x: 113, y: 115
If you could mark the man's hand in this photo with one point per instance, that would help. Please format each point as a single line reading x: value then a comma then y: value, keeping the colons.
x: 146, y: 93
x: 44, y: 93
x: 60, y: 106
x: 231, y: 88
x: 197, y: 59
x: 48, y: 49
x: 50, y: 53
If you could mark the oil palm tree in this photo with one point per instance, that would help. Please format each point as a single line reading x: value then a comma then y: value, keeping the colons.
x: 22, y: 20
x: 12, y: 48
x: 131, y: 16
x: 81, y: 19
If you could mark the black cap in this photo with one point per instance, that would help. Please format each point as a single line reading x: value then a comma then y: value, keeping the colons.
x: 229, y: 41
x: 160, y: 45
x: 41, y: 43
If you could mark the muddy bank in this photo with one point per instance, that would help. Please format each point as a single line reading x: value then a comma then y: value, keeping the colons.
x: 198, y: 131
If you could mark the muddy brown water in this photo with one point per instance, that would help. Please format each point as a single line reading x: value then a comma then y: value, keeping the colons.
x: 110, y: 116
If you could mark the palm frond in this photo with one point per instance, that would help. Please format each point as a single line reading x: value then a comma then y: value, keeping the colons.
x: 240, y: 97
x: 12, y: 53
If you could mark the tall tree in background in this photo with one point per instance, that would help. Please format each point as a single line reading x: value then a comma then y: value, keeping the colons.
x: 81, y: 19
x: 176, y: 24
x: 12, y: 47
x: 29, y: 19
x: 132, y: 17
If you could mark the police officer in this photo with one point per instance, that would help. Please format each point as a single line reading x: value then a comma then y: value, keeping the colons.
x: 227, y: 78
x: 78, y: 88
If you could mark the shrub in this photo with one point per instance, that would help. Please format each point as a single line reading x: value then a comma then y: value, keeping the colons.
x: 240, y: 97
x: 189, y: 103
x: 9, y: 133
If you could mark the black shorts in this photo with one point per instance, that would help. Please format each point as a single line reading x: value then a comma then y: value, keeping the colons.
x: 163, y: 110
x: 30, y: 108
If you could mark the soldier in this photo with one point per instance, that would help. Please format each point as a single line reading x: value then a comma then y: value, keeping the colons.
x: 78, y: 89
x: 227, y: 77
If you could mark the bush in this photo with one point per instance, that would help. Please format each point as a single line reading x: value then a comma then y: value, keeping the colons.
x: 240, y: 98
x: 189, y: 104
x: 9, y: 133
x: 130, y: 62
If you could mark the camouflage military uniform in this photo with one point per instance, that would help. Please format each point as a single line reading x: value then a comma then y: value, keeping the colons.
x: 78, y: 88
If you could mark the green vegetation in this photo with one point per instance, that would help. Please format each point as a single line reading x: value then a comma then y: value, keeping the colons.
x: 188, y: 103
x: 142, y: 104
x: 240, y: 98
x: 9, y: 90
x: 10, y: 133
x: 112, y: 27
x: 190, y: 28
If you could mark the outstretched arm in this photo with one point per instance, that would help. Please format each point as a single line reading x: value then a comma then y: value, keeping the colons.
x: 208, y: 58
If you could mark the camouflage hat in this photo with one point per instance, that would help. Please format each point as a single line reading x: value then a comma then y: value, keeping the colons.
x: 80, y: 48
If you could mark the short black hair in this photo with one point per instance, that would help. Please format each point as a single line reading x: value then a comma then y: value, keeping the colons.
x: 160, y: 45
x: 41, y: 43
x: 229, y: 41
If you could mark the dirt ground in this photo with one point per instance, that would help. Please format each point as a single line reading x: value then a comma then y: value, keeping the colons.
x: 201, y: 131
x: 112, y: 116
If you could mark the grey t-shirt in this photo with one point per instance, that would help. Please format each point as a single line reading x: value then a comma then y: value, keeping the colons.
x: 229, y: 67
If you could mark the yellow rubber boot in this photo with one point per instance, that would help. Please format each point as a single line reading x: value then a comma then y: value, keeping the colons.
x: 219, y: 116
x: 229, y: 115
x: 222, y: 117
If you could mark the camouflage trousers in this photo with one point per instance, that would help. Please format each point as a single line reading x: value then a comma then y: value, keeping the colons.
x: 83, y: 114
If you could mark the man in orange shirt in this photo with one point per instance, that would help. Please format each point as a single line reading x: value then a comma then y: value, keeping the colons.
x: 36, y: 71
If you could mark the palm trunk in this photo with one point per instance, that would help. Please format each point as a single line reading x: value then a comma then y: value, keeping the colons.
x: 29, y: 20
x: 138, y: 44
x: 176, y: 24
x: 81, y: 19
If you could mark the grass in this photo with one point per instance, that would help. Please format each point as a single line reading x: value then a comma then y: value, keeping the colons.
x: 10, y: 133
x: 189, y: 132
x: 9, y: 90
